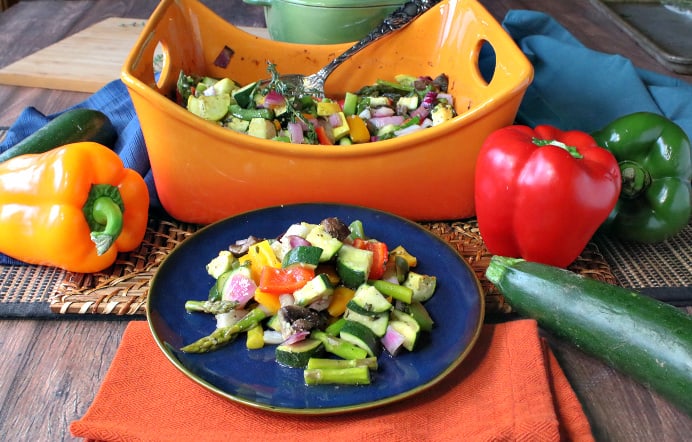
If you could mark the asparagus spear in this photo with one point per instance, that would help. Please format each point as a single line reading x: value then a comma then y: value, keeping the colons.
x: 351, y: 375
x: 212, y: 307
x: 225, y: 335
x: 330, y: 364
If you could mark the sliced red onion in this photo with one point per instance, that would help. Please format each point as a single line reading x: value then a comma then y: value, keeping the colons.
x: 295, y: 241
x: 381, y: 122
x: 392, y: 341
x: 429, y: 98
x: 274, y: 99
x: 421, y: 112
x: 335, y: 120
x: 447, y: 97
x: 365, y: 114
x: 383, y: 111
x: 224, y: 58
x: 209, y: 92
x: 239, y: 288
x: 297, y: 337
x: 295, y: 133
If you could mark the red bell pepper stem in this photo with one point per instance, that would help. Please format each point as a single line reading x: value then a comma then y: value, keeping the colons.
x: 571, y: 149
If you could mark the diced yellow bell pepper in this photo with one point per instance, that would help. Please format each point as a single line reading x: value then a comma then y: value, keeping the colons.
x: 343, y: 130
x: 255, y: 338
x: 261, y: 255
x: 269, y: 301
x: 340, y: 297
x: 358, y: 129
x: 327, y: 108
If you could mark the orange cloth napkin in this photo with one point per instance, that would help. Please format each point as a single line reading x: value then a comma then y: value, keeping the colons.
x: 509, y: 388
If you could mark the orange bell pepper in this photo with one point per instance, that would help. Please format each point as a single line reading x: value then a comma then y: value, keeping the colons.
x: 74, y: 207
x: 358, y: 129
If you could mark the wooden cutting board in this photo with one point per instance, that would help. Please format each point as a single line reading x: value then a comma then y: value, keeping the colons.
x: 82, y: 62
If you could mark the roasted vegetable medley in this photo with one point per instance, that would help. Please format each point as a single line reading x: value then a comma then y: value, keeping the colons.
x: 330, y: 299
x: 274, y: 110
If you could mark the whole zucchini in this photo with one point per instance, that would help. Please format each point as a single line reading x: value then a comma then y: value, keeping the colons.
x: 642, y: 337
x: 71, y: 126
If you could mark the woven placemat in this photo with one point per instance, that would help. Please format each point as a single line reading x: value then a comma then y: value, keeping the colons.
x: 663, y: 264
x: 122, y: 289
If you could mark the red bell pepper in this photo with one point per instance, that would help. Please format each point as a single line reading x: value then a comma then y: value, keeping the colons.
x: 542, y: 193
x: 284, y: 280
x: 322, y: 136
x: 380, y: 255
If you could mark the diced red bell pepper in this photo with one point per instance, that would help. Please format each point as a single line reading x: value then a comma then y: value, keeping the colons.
x: 322, y: 135
x: 285, y: 280
x: 380, y: 255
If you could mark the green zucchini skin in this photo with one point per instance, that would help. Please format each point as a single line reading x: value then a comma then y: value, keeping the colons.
x: 71, y: 126
x: 642, y: 337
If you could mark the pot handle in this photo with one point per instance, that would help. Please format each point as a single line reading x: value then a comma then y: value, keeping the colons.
x: 258, y: 2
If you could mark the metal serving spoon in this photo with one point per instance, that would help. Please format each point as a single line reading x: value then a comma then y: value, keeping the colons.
x: 399, y: 18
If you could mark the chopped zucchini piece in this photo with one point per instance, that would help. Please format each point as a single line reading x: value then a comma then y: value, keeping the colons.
x: 317, y: 288
x: 305, y: 255
x: 243, y: 95
x: 418, y: 312
x: 376, y: 323
x: 367, y: 300
x: 360, y: 336
x: 353, y: 265
x: 319, y: 237
x: 261, y: 128
x: 222, y: 263
x: 298, y: 354
x: 209, y: 107
x: 423, y: 286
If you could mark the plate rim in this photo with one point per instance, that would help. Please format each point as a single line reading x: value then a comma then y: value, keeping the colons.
x: 170, y: 356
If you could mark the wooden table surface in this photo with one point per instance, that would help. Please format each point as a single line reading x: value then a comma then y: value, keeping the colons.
x: 51, y: 369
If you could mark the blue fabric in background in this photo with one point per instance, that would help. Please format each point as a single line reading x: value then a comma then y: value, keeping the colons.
x: 574, y: 87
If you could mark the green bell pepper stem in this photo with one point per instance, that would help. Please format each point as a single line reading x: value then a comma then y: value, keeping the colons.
x: 103, y: 211
x: 635, y: 179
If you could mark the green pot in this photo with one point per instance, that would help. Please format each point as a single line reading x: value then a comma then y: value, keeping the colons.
x: 323, y: 21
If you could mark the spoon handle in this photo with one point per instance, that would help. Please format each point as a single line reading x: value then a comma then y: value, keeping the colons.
x: 399, y: 18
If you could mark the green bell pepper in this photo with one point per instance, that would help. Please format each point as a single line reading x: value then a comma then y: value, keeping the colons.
x: 654, y: 157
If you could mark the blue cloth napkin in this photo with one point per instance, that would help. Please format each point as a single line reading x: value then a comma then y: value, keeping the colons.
x: 574, y: 87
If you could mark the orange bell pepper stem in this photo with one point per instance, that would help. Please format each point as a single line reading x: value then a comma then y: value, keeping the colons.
x: 44, y: 197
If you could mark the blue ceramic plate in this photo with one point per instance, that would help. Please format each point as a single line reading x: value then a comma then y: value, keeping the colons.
x: 253, y: 377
